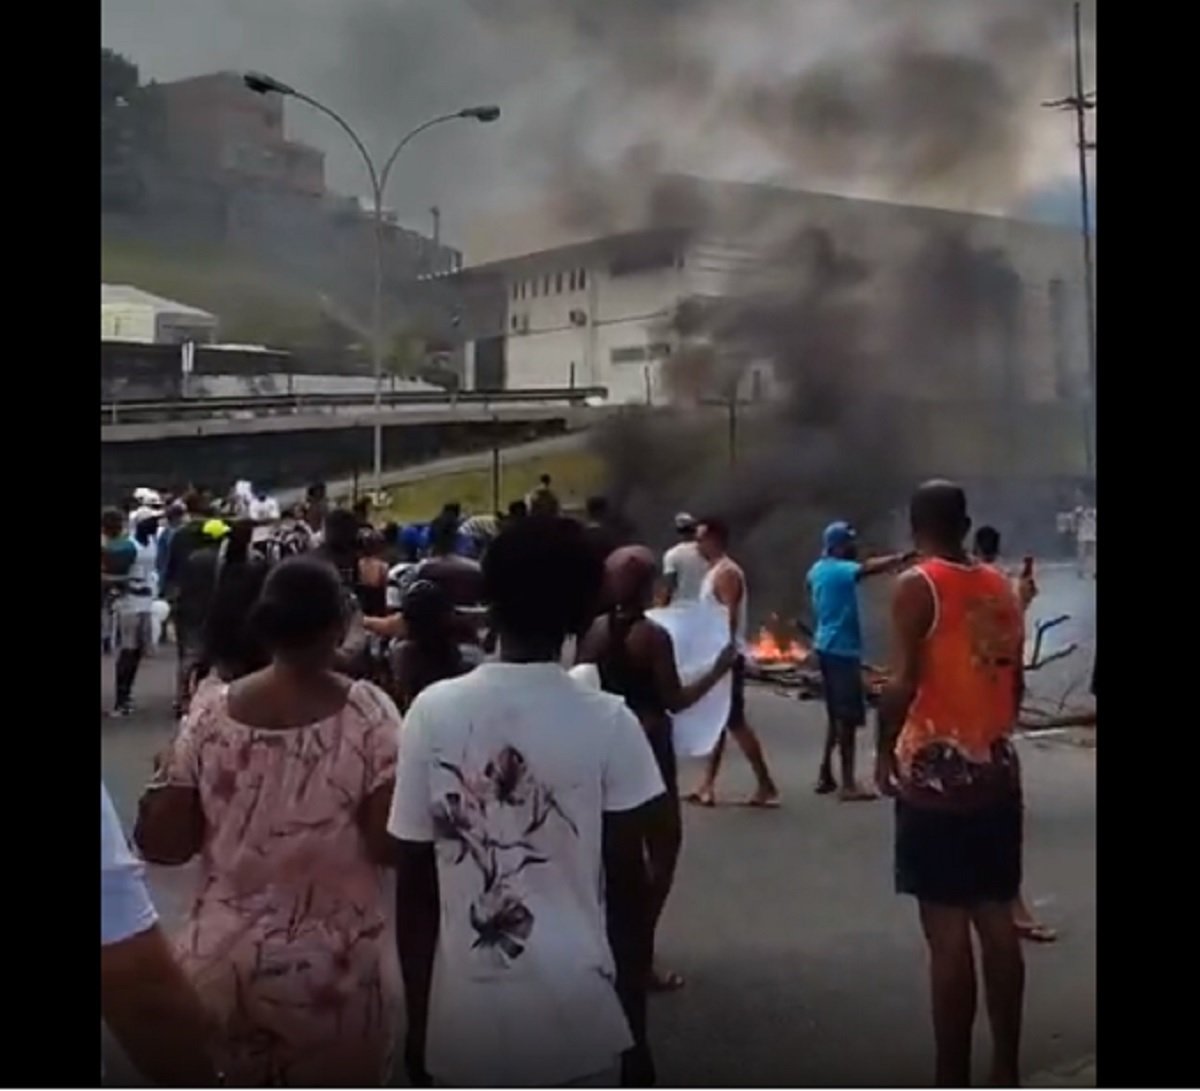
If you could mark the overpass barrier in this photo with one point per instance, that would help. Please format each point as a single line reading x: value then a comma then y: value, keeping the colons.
x: 268, y: 405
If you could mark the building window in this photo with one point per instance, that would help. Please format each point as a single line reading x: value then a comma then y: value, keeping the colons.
x: 658, y: 351
x: 533, y: 287
x: 582, y: 279
x: 546, y: 285
x: 515, y: 321
x: 634, y: 354
x: 558, y: 283
x: 571, y: 280
x: 516, y: 288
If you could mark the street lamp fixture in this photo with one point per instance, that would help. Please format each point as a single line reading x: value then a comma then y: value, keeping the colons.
x: 262, y: 84
x: 481, y: 113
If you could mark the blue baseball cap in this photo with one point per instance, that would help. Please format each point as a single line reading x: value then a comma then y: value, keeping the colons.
x: 837, y: 535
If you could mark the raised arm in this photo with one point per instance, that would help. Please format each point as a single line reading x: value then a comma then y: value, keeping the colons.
x: 880, y: 566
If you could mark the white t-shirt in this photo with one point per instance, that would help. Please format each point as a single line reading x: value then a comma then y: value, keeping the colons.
x: 264, y: 509
x: 125, y: 907
x: 510, y: 770
x: 1085, y: 524
x: 685, y: 563
x: 141, y: 586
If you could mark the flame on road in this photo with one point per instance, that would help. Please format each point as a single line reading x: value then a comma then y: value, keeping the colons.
x: 769, y: 648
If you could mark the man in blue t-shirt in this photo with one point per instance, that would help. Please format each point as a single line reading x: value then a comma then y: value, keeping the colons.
x: 833, y: 589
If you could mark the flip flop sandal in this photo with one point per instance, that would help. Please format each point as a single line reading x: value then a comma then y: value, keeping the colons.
x: 1037, y: 933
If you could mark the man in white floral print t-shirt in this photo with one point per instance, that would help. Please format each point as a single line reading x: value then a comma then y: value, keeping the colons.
x: 521, y: 802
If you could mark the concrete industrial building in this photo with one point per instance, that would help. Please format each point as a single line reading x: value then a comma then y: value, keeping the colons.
x: 601, y: 312
x: 214, y: 126
x: 129, y: 314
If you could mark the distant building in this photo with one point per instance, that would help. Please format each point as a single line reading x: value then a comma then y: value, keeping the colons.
x: 1003, y: 297
x: 216, y: 127
x: 129, y: 314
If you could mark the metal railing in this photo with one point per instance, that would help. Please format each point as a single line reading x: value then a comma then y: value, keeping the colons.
x: 262, y: 405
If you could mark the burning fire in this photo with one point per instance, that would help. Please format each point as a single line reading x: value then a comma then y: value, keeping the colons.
x: 769, y: 648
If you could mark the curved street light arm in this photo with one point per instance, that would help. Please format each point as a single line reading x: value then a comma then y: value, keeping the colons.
x: 391, y: 159
x: 376, y: 183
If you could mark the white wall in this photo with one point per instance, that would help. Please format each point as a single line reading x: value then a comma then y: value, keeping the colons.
x: 127, y: 322
x: 624, y: 314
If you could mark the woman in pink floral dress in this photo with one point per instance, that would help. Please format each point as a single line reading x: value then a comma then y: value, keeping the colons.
x: 282, y: 780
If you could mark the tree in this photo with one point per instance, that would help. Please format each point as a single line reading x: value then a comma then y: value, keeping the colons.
x: 406, y: 356
x: 119, y: 83
x: 131, y: 129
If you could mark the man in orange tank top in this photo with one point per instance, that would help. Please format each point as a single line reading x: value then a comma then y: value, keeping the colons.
x: 947, y: 756
x: 987, y: 551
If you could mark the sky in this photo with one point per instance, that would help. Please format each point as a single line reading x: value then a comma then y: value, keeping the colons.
x: 863, y: 97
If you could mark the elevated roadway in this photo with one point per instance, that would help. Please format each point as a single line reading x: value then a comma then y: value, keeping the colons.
x: 140, y: 421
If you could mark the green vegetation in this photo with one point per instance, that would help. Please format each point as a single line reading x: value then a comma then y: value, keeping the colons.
x: 577, y: 474
x: 252, y: 304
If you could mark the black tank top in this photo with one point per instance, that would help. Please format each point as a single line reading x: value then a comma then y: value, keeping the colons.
x: 619, y: 674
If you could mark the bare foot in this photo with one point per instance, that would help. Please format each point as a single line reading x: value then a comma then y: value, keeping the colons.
x: 856, y: 794
x: 702, y: 797
x: 767, y: 800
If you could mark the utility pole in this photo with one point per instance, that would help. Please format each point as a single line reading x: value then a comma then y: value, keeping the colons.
x: 436, y: 213
x: 1080, y: 103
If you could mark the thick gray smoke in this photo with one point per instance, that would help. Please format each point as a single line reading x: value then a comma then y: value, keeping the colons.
x: 848, y: 329
x: 582, y: 82
x: 606, y: 101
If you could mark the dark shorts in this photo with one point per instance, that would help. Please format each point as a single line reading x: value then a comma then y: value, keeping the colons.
x: 959, y: 857
x: 737, y: 698
x: 845, y: 698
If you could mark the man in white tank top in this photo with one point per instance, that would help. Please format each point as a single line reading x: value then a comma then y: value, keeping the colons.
x: 725, y: 583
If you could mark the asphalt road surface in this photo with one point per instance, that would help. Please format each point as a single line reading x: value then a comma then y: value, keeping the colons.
x: 802, y: 965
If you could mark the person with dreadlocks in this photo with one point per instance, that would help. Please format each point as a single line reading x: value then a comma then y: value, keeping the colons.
x: 636, y: 661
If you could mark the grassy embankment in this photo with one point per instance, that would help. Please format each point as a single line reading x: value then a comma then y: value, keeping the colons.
x: 253, y: 304
x: 577, y: 474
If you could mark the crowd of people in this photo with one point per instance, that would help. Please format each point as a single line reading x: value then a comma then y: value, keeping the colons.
x: 357, y: 700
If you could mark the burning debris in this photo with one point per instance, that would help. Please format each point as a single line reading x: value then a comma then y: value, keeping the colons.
x: 777, y: 646
x: 783, y: 657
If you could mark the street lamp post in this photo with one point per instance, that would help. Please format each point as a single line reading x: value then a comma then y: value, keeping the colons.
x: 262, y: 84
